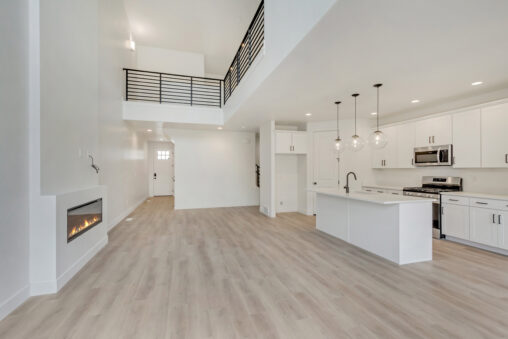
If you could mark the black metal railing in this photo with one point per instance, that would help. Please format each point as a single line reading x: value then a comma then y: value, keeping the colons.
x: 188, y: 90
x: 172, y: 88
x: 251, y: 45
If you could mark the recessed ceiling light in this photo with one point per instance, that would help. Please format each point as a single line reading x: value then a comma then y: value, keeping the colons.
x: 162, y: 139
x: 148, y: 130
x: 476, y: 83
x: 308, y: 114
x: 415, y: 101
x: 243, y: 127
x: 219, y: 128
x: 373, y: 113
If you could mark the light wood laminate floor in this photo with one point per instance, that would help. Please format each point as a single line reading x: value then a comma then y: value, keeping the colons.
x: 234, y: 273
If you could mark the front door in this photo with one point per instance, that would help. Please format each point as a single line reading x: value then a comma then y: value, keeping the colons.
x: 162, y: 168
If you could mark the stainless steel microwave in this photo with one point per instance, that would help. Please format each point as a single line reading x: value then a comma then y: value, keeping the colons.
x: 433, y: 156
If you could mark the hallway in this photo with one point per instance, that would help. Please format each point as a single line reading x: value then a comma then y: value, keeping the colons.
x: 232, y: 272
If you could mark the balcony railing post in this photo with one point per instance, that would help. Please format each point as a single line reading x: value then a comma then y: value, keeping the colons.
x: 160, y: 88
x: 191, y: 91
x: 237, y: 69
x: 126, y: 85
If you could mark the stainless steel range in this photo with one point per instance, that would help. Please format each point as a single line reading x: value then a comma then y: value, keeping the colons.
x: 431, y: 188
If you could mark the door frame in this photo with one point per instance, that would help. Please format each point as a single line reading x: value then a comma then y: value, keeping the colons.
x: 152, y: 146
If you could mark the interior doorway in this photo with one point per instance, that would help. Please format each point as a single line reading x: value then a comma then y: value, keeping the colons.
x: 162, y: 169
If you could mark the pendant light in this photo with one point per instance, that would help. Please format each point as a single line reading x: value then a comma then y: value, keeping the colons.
x: 378, y: 139
x: 339, y: 144
x: 356, y: 143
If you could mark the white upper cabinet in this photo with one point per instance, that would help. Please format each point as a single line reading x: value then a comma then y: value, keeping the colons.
x: 405, y: 145
x: 433, y: 132
x: 387, y: 156
x: 290, y: 142
x: 467, y: 139
x: 299, y: 142
x: 494, y: 136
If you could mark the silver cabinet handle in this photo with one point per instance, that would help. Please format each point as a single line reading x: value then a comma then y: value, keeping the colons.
x: 429, y: 140
x: 412, y: 161
x: 380, y: 191
x: 433, y: 141
x: 506, y: 158
x: 499, y: 219
x: 453, y: 199
x: 493, y: 218
x: 481, y: 203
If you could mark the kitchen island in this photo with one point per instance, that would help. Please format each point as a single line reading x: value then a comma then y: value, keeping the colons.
x: 395, y: 227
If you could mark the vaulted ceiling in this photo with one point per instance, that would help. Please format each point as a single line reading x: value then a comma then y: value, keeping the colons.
x: 213, y: 28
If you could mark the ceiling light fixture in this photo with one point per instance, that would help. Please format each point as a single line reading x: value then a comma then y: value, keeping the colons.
x: 148, y: 130
x: 219, y: 128
x: 339, y: 144
x: 415, y: 101
x: 373, y: 113
x: 476, y: 83
x: 308, y: 114
x: 378, y: 139
x: 356, y: 143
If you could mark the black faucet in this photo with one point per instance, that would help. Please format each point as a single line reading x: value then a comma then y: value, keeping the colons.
x: 347, y: 181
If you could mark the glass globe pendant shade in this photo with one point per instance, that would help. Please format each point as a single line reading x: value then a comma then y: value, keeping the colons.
x: 339, y: 145
x: 378, y: 140
x: 356, y: 143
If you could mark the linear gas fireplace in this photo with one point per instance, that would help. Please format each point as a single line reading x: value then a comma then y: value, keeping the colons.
x: 83, y: 218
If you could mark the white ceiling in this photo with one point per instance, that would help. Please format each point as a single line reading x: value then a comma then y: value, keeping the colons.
x: 213, y: 28
x: 429, y: 50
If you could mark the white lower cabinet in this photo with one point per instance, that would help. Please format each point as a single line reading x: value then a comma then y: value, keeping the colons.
x: 484, y: 226
x: 455, y: 221
x: 503, y: 229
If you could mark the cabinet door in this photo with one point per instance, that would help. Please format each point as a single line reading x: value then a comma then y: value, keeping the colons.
x: 503, y: 229
x: 377, y: 157
x: 299, y: 142
x: 495, y: 136
x: 405, y: 145
x: 455, y: 221
x: 423, y: 132
x: 390, y: 150
x: 467, y: 139
x: 484, y: 226
x: 441, y: 129
x: 283, y: 142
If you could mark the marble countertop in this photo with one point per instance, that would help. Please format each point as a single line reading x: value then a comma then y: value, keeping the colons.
x: 477, y: 195
x: 373, y: 197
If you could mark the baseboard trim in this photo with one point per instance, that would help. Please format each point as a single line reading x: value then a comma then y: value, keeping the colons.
x: 123, y: 215
x: 43, y: 287
x: 14, y: 301
x: 477, y: 245
x: 78, y: 265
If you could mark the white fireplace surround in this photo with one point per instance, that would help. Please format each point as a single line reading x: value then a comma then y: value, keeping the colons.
x: 53, y: 261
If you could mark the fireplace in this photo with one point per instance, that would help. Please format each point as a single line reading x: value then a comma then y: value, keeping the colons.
x: 83, y: 218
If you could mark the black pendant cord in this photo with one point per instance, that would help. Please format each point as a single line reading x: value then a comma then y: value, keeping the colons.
x: 338, y: 103
x: 355, y: 96
x: 377, y: 111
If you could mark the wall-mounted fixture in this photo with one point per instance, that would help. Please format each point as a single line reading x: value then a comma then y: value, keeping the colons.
x: 132, y: 43
x: 378, y: 139
x: 339, y: 144
x: 94, y: 166
x: 356, y: 143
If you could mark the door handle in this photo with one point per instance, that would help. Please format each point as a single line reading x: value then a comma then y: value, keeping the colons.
x: 314, y: 183
x: 154, y: 176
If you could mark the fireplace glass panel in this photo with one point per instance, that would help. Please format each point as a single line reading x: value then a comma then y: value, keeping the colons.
x: 83, y: 218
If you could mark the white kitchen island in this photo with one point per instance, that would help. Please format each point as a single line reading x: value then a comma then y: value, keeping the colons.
x: 395, y: 227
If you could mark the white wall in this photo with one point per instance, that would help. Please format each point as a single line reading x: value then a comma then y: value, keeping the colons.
x: 170, y: 61
x: 14, y: 191
x: 69, y: 94
x: 214, y: 168
x: 287, y: 22
x: 122, y: 152
x: 267, y: 168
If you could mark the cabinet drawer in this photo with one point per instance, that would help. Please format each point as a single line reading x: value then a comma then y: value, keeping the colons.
x: 488, y: 203
x: 452, y: 199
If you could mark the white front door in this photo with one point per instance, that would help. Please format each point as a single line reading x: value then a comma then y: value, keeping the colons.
x: 162, y: 168
x: 325, y: 165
